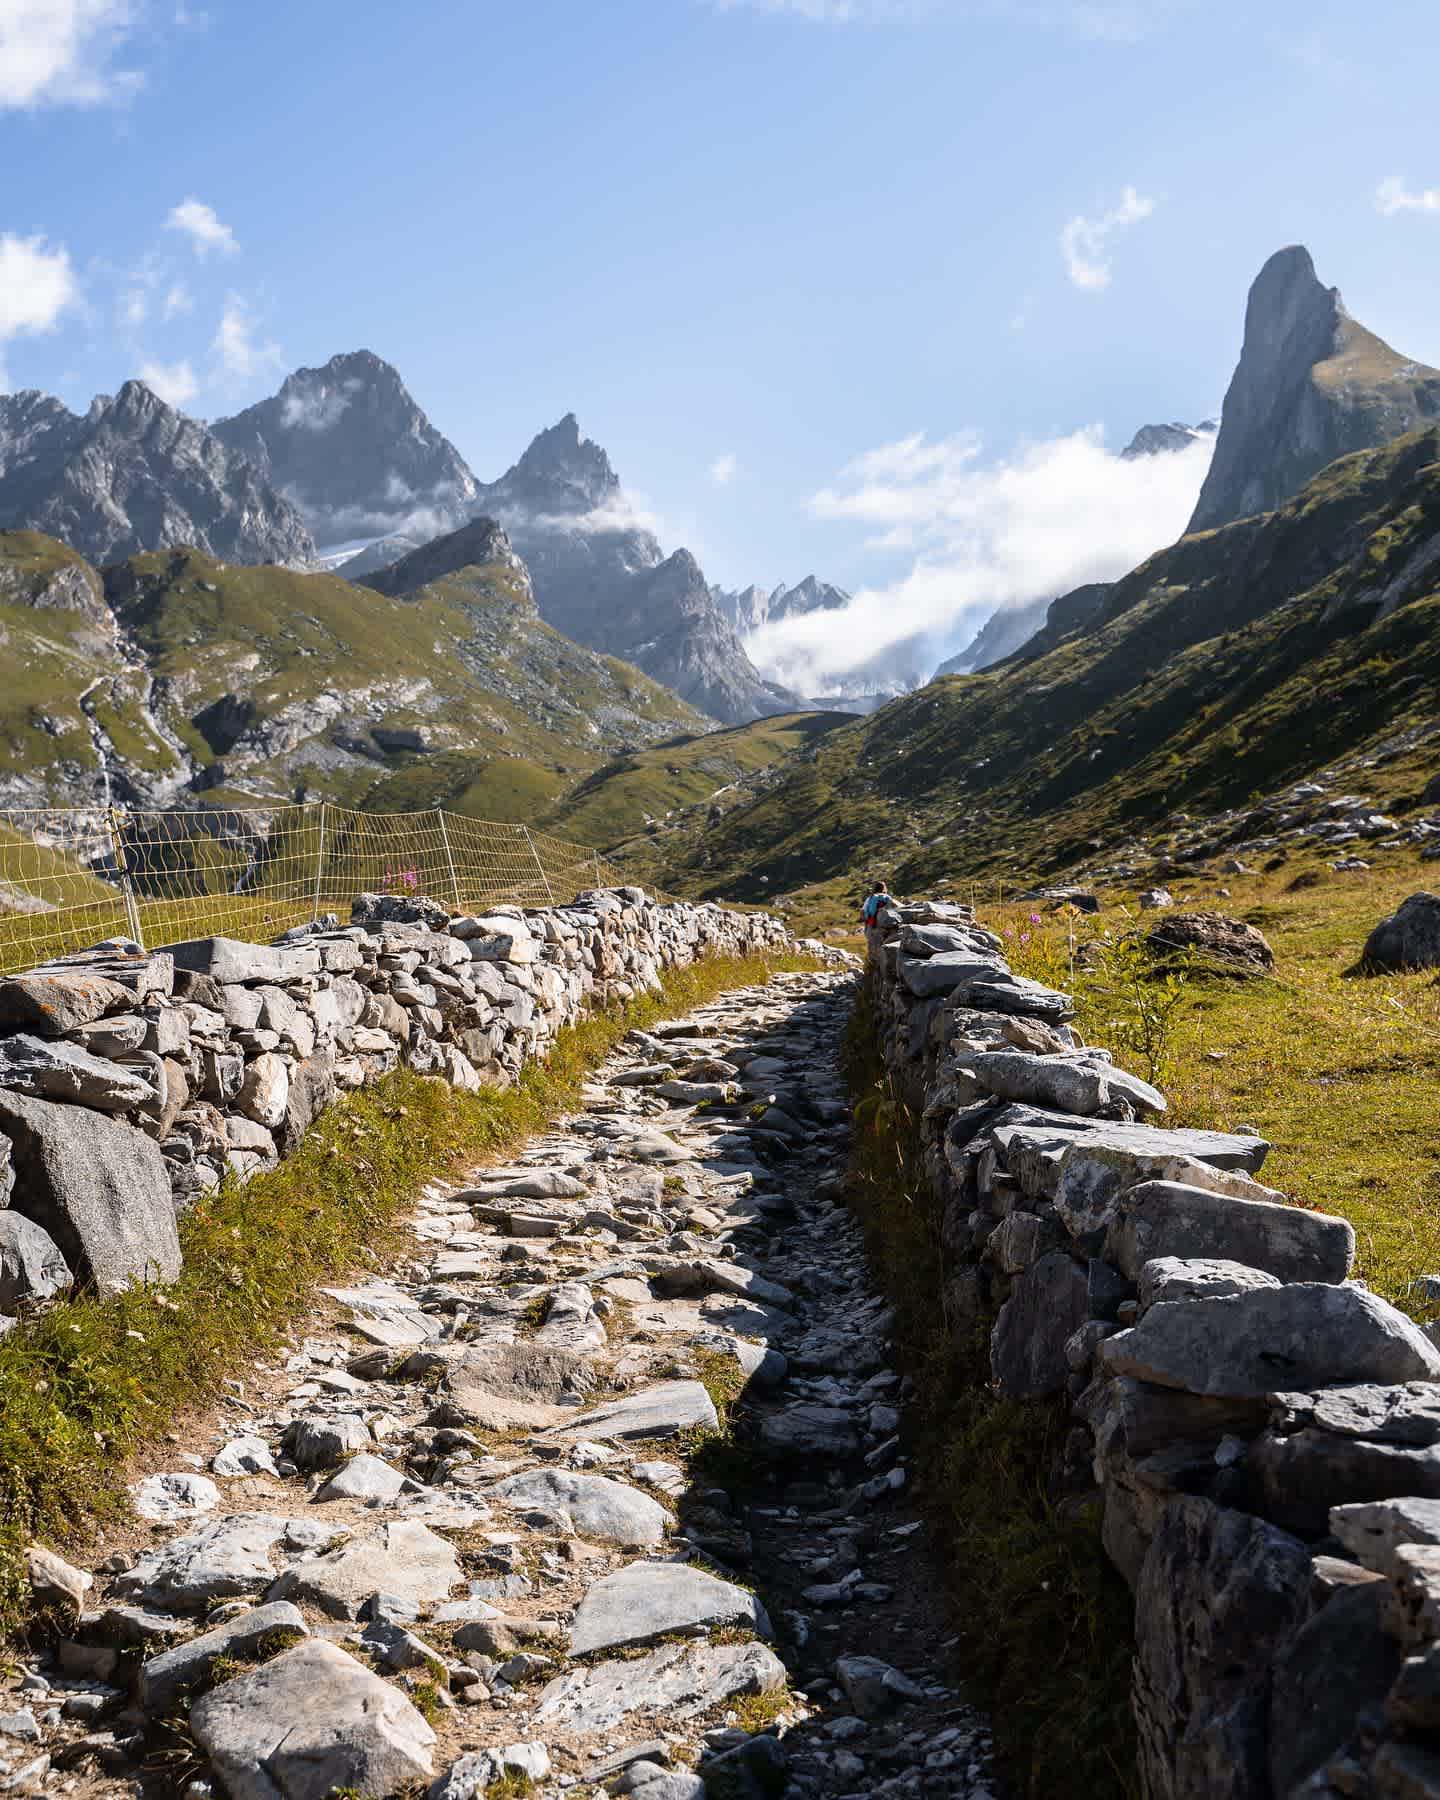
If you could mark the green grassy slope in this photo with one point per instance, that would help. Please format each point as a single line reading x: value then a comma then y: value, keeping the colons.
x: 1233, y: 662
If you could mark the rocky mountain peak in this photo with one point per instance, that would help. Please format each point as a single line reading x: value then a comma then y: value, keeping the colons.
x: 350, y: 446
x: 135, y: 474
x: 1311, y: 384
x: 572, y: 473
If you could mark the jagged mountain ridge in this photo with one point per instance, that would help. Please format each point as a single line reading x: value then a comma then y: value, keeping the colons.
x: 601, y: 577
x: 1225, y: 666
x: 348, y: 444
x: 135, y: 474
x: 1312, y: 384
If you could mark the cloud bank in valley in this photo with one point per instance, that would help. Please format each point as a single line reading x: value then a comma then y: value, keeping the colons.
x: 983, y: 536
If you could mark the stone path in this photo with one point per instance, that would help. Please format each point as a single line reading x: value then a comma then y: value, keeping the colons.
x: 481, y: 1527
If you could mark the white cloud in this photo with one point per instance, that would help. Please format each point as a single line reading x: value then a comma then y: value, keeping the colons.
x: 177, y: 300
x: 234, y: 344
x: 175, y: 383
x: 133, y: 307
x: 58, y: 52
x: 200, y: 224
x: 724, y: 469
x: 1392, y: 196
x: 984, y: 537
x: 37, y: 285
x: 1084, y: 242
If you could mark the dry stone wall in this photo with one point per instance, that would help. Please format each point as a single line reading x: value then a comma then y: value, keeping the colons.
x: 130, y: 1083
x: 1261, y: 1432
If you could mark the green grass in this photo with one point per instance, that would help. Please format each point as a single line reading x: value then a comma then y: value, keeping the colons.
x: 90, y: 1381
x: 1044, y: 1621
x: 1339, y: 1072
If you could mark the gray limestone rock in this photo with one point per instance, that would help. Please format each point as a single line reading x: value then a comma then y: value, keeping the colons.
x: 1064, y: 1083
x: 1306, y: 1334
x: 31, y: 1266
x: 227, y: 960
x: 1335, y: 1672
x: 53, y: 1003
x: 1373, y: 1531
x: 65, y: 1072
x: 677, y: 1680
x: 649, y: 1600
x: 1173, y: 1219
x: 590, y: 1505
x: 164, y: 1677
x: 100, y: 1189
x: 942, y: 974
x: 1408, y: 939
x: 1196, y: 1278
x: 807, y: 1429
x: 310, y: 1722
x: 363, y: 1477
x: 405, y: 1559
x: 1047, y: 1305
x: 1090, y: 1172
x: 474, y: 1776
x: 664, y: 1410
x: 220, y: 1560
x: 1219, y: 1594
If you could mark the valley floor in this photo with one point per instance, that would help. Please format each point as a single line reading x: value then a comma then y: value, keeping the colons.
x: 602, y: 1478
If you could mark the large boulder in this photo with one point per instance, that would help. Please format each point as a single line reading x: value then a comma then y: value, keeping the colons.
x: 1065, y: 1083
x: 1218, y: 945
x: 1408, y: 939
x: 101, y: 1190
x: 590, y: 1505
x: 1302, y: 1336
x: 1219, y: 1594
x: 308, y: 1724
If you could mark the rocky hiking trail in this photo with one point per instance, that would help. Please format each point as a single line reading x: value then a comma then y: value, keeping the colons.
x: 485, y: 1529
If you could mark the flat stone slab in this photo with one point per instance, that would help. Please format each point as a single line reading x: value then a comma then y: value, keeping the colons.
x: 648, y: 1600
x: 664, y: 1410
x: 1067, y: 1083
x: 589, y: 1505
x: 308, y: 1723
x: 678, y: 1681
x: 165, y: 1677
x: 403, y: 1558
x: 1171, y: 1218
x: 808, y: 1429
x: 1372, y: 1531
x: 1304, y: 1335
x: 55, y: 1002
x: 227, y: 959
x: 220, y: 1560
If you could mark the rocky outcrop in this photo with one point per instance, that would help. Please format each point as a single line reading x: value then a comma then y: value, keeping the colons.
x: 134, y: 475
x: 602, y: 578
x: 349, y: 446
x: 1242, y: 1414
x: 155, y: 1075
x: 1311, y: 384
x: 479, y: 544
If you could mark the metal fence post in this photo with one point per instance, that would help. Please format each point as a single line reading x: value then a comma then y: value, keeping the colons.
x: 122, y: 861
x: 319, y: 866
x: 599, y: 879
x: 445, y: 840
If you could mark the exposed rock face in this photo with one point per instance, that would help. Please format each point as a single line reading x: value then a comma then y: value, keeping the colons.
x: 602, y: 578
x: 1160, y: 440
x: 134, y: 474
x: 347, y: 443
x: 479, y: 544
x: 1311, y: 384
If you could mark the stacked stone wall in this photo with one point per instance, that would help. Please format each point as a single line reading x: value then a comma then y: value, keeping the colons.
x: 132, y: 1083
x: 1260, y: 1432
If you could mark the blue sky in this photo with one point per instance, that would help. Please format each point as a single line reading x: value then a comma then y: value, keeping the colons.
x: 747, y: 243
